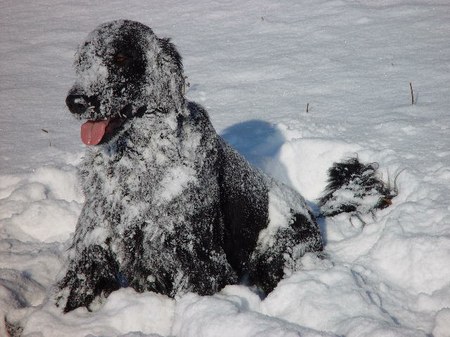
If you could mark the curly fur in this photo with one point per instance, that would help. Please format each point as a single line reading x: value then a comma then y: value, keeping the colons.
x: 170, y: 207
x: 355, y: 188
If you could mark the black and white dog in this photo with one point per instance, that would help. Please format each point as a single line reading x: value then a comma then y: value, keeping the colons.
x: 170, y: 207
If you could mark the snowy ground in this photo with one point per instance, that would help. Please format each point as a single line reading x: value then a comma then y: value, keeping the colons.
x: 255, y: 66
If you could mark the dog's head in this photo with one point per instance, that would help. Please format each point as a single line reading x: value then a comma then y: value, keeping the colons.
x: 123, y: 71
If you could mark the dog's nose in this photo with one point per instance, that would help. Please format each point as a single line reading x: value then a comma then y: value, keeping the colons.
x: 77, y: 104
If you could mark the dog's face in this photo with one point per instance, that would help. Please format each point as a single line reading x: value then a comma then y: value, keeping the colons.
x: 123, y: 70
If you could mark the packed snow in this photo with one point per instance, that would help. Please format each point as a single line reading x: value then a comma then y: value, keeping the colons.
x: 293, y: 86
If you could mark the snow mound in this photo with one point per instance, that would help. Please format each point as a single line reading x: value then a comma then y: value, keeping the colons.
x: 124, y: 312
x: 41, y: 207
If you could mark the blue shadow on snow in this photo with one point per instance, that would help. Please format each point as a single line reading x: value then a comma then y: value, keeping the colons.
x: 254, y: 139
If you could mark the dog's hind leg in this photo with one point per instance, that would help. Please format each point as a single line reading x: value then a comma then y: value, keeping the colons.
x: 282, y: 257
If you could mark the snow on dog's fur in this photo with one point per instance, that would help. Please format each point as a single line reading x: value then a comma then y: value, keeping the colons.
x: 170, y: 207
x: 355, y: 188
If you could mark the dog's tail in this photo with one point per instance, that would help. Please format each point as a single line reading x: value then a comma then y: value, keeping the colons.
x: 355, y: 188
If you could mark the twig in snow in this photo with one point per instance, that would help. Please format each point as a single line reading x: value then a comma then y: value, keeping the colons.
x: 49, y: 139
x: 412, y: 93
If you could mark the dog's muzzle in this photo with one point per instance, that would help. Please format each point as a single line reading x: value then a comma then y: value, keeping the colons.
x: 79, y: 104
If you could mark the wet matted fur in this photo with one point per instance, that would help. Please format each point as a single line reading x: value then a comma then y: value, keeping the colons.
x: 169, y: 207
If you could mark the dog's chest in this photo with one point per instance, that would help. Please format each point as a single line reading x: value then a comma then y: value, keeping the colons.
x: 154, y: 180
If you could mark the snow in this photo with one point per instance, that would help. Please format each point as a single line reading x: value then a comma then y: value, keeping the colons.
x: 254, y: 65
x: 104, y: 322
x: 174, y: 181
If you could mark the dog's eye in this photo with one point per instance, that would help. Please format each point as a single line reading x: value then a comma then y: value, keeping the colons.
x: 120, y: 59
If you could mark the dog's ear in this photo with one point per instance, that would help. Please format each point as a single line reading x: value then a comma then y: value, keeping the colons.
x: 169, y: 51
x: 172, y: 68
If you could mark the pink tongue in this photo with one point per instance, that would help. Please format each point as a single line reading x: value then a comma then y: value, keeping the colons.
x: 92, y: 132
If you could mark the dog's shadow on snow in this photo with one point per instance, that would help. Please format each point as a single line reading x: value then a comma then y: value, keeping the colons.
x: 255, y: 139
x: 259, y: 142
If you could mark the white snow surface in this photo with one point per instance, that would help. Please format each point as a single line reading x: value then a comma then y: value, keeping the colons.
x: 255, y: 65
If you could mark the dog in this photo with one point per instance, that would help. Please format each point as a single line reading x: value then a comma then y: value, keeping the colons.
x: 169, y: 206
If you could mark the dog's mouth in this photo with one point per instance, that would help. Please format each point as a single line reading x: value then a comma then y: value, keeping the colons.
x: 95, y: 132
x: 99, y: 129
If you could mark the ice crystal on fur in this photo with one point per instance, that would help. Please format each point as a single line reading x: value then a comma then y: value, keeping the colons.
x: 169, y: 207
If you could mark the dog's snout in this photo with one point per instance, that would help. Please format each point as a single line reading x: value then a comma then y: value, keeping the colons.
x: 77, y: 104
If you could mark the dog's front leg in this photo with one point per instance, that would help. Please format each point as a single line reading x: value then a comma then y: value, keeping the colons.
x: 95, y: 272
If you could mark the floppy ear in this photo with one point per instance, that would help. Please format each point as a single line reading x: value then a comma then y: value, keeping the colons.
x: 171, y: 52
x: 172, y: 72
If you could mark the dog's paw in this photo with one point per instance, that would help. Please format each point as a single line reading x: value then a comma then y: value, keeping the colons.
x: 94, y: 274
x: 74, y: 291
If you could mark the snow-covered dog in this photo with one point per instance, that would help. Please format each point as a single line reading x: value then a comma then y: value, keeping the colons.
x: 170, y: 207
